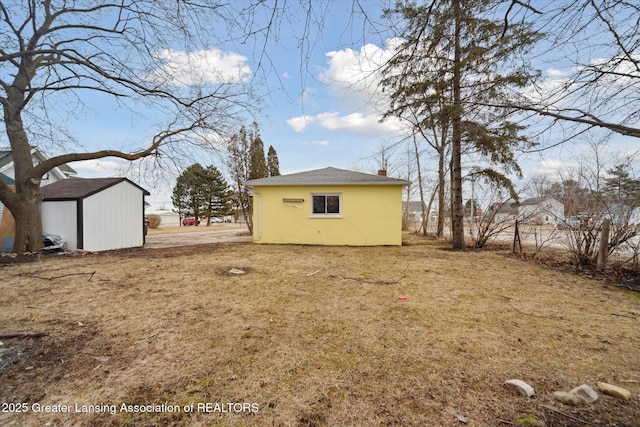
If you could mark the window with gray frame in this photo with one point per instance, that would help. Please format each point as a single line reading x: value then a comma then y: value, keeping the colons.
x: 326, y: 204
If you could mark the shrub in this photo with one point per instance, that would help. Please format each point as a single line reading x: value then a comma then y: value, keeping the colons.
x: 154, y: 220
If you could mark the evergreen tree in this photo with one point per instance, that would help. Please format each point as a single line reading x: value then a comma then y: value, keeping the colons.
x: 188, y: 196
x: 201, y: 192
x: 455, y: 59
x: 217, y: 195
x: 621, y: 187
x: 258, y: 164
x: 272, y: 162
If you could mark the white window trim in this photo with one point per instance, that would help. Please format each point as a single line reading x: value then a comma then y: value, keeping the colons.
x: 326, y: 215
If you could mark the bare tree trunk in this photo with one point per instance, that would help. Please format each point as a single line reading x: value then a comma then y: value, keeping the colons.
x: 405, y: 213
x: 457, y: 213
x: 441, y: 192
x: 24, y: 204
x: 604, y: 245
x: 424, y: 214
x: 246, y: 205
x: 429, y: 205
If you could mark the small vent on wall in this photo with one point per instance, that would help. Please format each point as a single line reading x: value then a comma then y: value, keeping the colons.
x: 287, y: 200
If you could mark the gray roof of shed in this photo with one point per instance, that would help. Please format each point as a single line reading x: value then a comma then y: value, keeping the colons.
x: 326, y: 176
x: 79, y: 188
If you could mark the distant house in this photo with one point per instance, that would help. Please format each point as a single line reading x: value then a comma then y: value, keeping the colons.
x: 167, y: 217
x: 623, y: 215
x: 56, y: 174
x: 501, y: 212
x: 536, y: 210
x: 95, y: 214
x: 7, y: 174
x: 412, y: 211
x: 328, y: 207
x: 542, y: 210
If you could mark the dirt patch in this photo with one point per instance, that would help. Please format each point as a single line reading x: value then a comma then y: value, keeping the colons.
x: 233, y: 270
x: 312, y: 336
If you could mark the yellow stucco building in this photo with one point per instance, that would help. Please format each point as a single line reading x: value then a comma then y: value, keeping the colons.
x: 328, y: 207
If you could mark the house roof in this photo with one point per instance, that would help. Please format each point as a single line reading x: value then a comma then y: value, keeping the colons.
x: 79, y: 188
x: 503, y: 208
x: 326, y: 176
x: 6, y: 158
x: 4, y: 178
x: 538, y: 200
x: 414, y: 206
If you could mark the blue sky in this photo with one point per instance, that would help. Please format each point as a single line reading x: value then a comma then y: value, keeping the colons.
x: 318, y: 109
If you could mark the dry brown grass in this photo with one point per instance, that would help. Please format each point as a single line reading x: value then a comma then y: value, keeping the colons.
x: 314, y: 336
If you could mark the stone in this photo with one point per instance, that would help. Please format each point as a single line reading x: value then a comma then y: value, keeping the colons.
x: 457, y: 414
x: 585, y: 393
x: 567, y: 398
x: 236, y: 271
x: 520, y: 387
x: 615, y: 391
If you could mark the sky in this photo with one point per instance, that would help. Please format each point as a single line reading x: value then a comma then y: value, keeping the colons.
x: 318, y: 109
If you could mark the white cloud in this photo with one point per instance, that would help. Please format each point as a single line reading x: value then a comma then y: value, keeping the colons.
x: 100, y: 168
x: 552, y: 169
x: 355, y: 122
x: 322, y: 143
x: 298, y: 124
x: 201, y: 66
x: 353, y: 75
x: 555, y: 73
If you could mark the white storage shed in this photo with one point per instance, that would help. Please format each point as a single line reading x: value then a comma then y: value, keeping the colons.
x: 95, y: 214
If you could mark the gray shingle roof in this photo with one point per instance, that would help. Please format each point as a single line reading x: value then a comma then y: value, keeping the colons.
x: 6, y: 179
x: 537, y: 200
x: 326, y: 176
x: 6, y: 158
x: 72, y: 189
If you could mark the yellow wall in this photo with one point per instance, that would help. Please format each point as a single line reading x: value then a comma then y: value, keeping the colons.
x: 8, y: 224
x: 371, y: 215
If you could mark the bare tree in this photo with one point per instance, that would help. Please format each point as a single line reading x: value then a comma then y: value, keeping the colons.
x: 53, y: 53
x: 603, y: 187
x: 494, y: 221
x: 594, y: 47
x: 239, y: 167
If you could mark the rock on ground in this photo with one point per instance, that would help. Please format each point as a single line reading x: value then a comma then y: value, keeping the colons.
x: 615, y: 391
x: 586, y: 393
x: 520, y: 387
x: 567, y: 398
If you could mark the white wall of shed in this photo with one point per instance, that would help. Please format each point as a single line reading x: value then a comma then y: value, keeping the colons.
x: 113, y: 218
x: 61, y: 218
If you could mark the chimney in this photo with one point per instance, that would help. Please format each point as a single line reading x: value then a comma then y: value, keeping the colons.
x: 382, y: 172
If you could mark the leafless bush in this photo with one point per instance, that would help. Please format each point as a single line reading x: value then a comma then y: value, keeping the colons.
x: 154, y: 221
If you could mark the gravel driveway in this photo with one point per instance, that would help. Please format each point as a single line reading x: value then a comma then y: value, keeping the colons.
x: 193, y: 236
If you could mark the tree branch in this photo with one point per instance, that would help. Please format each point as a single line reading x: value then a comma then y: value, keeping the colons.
x: 53, y: 162
x: 585, y: 118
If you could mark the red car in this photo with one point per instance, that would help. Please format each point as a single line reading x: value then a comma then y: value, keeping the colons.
x: 190, y: 221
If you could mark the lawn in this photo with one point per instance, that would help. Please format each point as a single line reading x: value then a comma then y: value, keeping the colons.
x: 310, y: 336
